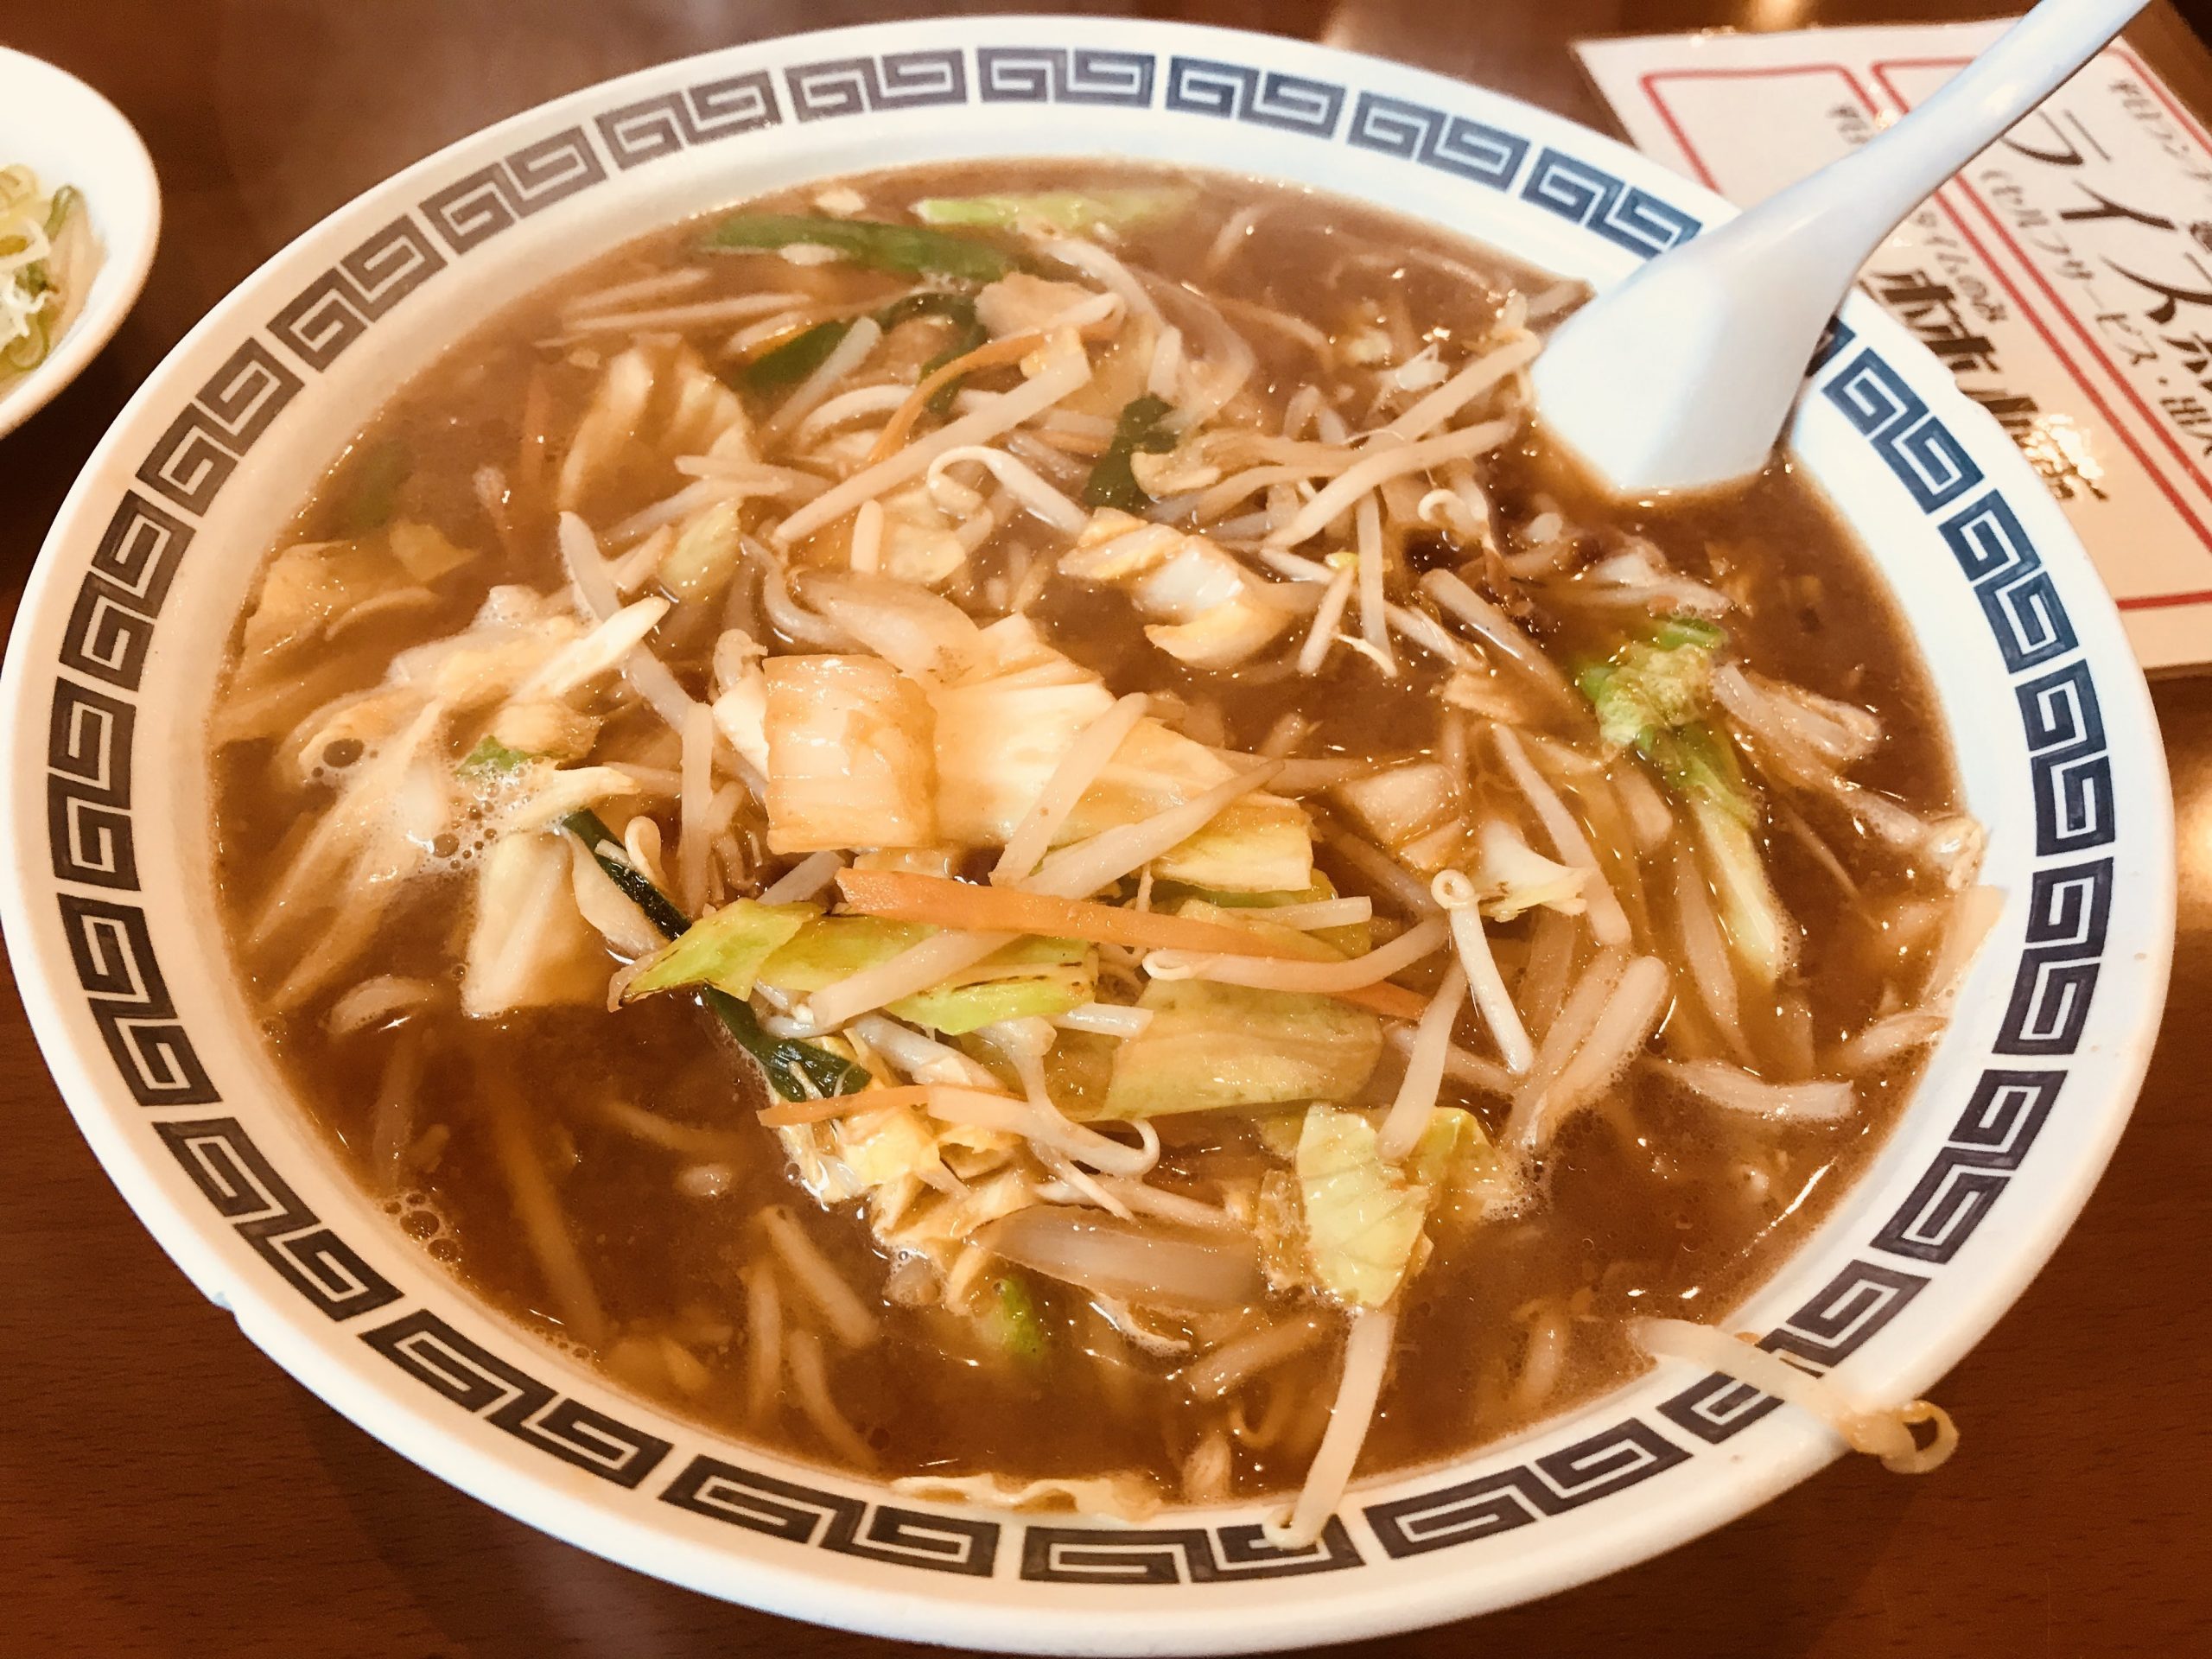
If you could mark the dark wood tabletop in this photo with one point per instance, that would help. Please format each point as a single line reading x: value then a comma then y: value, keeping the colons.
x: 165, y: 1490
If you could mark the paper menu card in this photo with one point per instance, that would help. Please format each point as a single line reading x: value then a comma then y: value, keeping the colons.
x: 2064, y: 276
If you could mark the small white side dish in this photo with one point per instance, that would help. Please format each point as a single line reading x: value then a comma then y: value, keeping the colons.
x: 67, y: 133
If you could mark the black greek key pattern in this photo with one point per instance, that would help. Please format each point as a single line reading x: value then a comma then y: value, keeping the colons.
x: 113, y: 955
x: 2068, y: 758
x: 1054, y: 74
x: 1932, y: 465
x: 191, y: 461
x: 806, y: 1515
x: 112, y: 624
x: 88, y: 787
x: 1238, y: 91
x: 1451, y: 143
x: 1855, y: 1305
x: 2001, y: 1122
x: 107, y: 637
x: 138, y: 552
x: 1626, y: 1455
x: 225, y: 1164
x: 1141, y: 1555
x: 472, y: 209
x: 336, y: 309
x: 2016, y: 592
x: 870, y: 86
x: 1596, y: 200
x: 2069, y: 908
x: 1838, y: 1322
x: 654, y: 127
x: 479, y: 1382
x: 1717, y: 1407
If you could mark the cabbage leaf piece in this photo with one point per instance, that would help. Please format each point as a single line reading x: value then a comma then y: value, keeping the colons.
x: 1211, y: 1045
x: 1031, y: 978
x: 1208, y: 610
x: 1363, y: 1217
x: 1345, y: 1223
x: 725, y: 948
x: 529, y: 946
x: 1083, y: 212
x: 1001, y: 731
x: 1350, y: 939
x: 849, y: 755
x: 1654, y: 696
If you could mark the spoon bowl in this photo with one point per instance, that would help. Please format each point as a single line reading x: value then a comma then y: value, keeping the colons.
x: 1680, y: 378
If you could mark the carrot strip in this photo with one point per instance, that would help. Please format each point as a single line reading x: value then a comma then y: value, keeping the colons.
x: 990, y: 354
x: 904, y: 896
x: 792, y: 1113
x: 1391, y: 1002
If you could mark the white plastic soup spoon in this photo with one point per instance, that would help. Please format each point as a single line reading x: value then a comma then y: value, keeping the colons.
x: 1682, y: 376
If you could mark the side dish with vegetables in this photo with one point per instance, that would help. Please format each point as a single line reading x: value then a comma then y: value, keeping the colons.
x: 47, y: 257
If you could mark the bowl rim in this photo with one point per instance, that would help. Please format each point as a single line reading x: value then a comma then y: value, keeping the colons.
x: 1234, y: 1617
x: 131, y: 240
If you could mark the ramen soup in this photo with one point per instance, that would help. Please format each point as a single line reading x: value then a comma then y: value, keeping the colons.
x: 1002, y: 826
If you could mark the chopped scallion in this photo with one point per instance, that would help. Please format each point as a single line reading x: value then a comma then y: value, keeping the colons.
x: 1112, y: 484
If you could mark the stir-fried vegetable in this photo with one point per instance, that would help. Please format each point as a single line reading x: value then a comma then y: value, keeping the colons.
x: 1011, y: 1323
x: 492, y: 759
x: 1209, y: 1045
x: 794, y: 950
x: 1083, y: 211
x: 968, y: 333
x: 47, y: 259
x: 795, y: 1070
x: 1030, y: 978
x: 1362, y: 1217
x: 1141, y: 428
x: 724, y: 948
x: 913, y: 249
x: 791, y: 361
x: 372, y: 495
x: 1654, y: 696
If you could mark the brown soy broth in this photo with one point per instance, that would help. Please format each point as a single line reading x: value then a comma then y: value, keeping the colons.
x: 1649, y: 1207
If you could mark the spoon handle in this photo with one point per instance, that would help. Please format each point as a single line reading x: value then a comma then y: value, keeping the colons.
x: 1864, y: 196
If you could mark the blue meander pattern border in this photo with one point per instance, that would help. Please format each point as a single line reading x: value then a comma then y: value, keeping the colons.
x: 118, y: 606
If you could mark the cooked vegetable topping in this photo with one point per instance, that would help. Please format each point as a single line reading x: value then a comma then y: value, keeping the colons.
x: 1084, y: 212
x: 791, y: 360
x: 908, y: 248
x: 1010, y: 1320
x: 47, y: 257
x: 1071, y: 679
x: 1654, y: 696
x: 1140, y: 430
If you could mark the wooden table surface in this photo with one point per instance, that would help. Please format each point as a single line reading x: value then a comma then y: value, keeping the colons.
x: 165, y: 1490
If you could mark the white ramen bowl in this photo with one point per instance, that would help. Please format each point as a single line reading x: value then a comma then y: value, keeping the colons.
x: 68, y: 134
x: 110, y: 916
